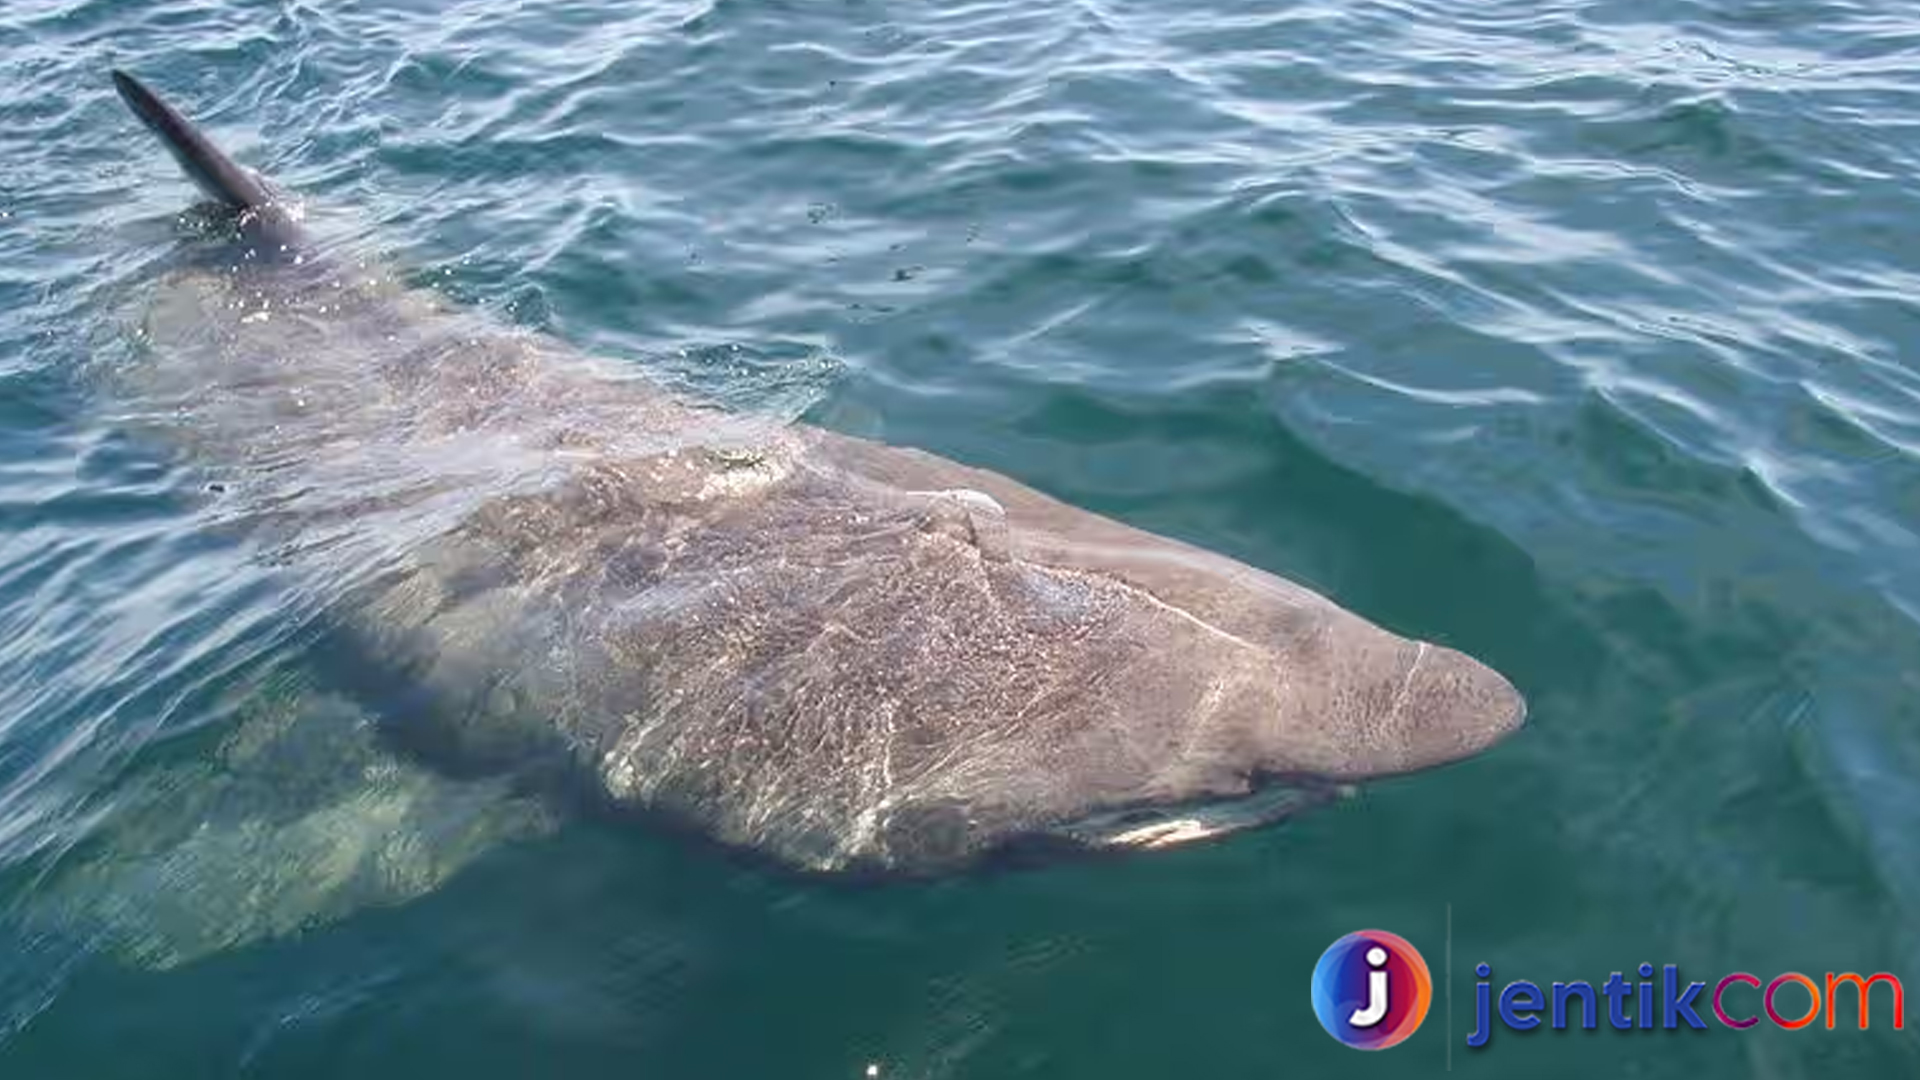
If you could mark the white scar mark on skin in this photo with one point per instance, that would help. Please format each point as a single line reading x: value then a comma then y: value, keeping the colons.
x: 1406, y: 683
x: 1191, y: 617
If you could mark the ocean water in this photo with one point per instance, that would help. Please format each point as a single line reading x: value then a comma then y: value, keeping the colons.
x: 1581, y: 336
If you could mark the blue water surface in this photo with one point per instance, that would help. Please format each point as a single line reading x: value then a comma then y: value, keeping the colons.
x: 1580, y: 336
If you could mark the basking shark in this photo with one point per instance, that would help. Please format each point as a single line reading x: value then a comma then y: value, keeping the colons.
x: 843, y: 655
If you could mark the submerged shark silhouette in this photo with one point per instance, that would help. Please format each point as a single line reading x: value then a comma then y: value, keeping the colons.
x: 842, y: 654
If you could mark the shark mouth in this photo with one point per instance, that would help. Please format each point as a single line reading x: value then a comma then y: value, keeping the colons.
x: 1151, y: 828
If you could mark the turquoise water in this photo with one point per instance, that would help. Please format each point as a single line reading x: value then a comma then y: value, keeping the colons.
x: 1580, y: 337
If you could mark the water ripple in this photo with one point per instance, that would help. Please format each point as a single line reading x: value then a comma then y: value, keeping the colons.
x: 1579, y: 334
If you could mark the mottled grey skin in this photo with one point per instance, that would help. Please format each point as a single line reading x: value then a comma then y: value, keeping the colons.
x: 842, y: 654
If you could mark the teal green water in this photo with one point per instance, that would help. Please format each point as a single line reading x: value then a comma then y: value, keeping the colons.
x: 1579, y: 336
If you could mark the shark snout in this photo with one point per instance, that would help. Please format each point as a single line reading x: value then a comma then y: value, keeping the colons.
x: 1360, y: 702
x: 1450, y: 706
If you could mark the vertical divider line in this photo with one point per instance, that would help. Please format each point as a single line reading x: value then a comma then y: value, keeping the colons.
x: 1449, y: 986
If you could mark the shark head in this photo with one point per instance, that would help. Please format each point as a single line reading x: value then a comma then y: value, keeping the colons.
x: 1137, y: 691
x: 1318, y: 691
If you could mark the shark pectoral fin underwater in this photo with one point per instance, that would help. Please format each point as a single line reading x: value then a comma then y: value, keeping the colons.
x: 301, y: 818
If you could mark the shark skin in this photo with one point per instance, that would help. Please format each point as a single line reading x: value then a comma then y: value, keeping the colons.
x: 843, y: 655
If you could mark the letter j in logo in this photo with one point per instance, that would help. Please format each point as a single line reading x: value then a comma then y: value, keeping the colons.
x: 1371, y: 989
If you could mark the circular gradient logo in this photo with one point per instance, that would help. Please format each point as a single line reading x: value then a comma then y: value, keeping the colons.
x: 1371, y: 989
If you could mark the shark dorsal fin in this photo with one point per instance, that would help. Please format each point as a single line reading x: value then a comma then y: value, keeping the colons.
x: 221, y: 178
x: 211, y: 170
